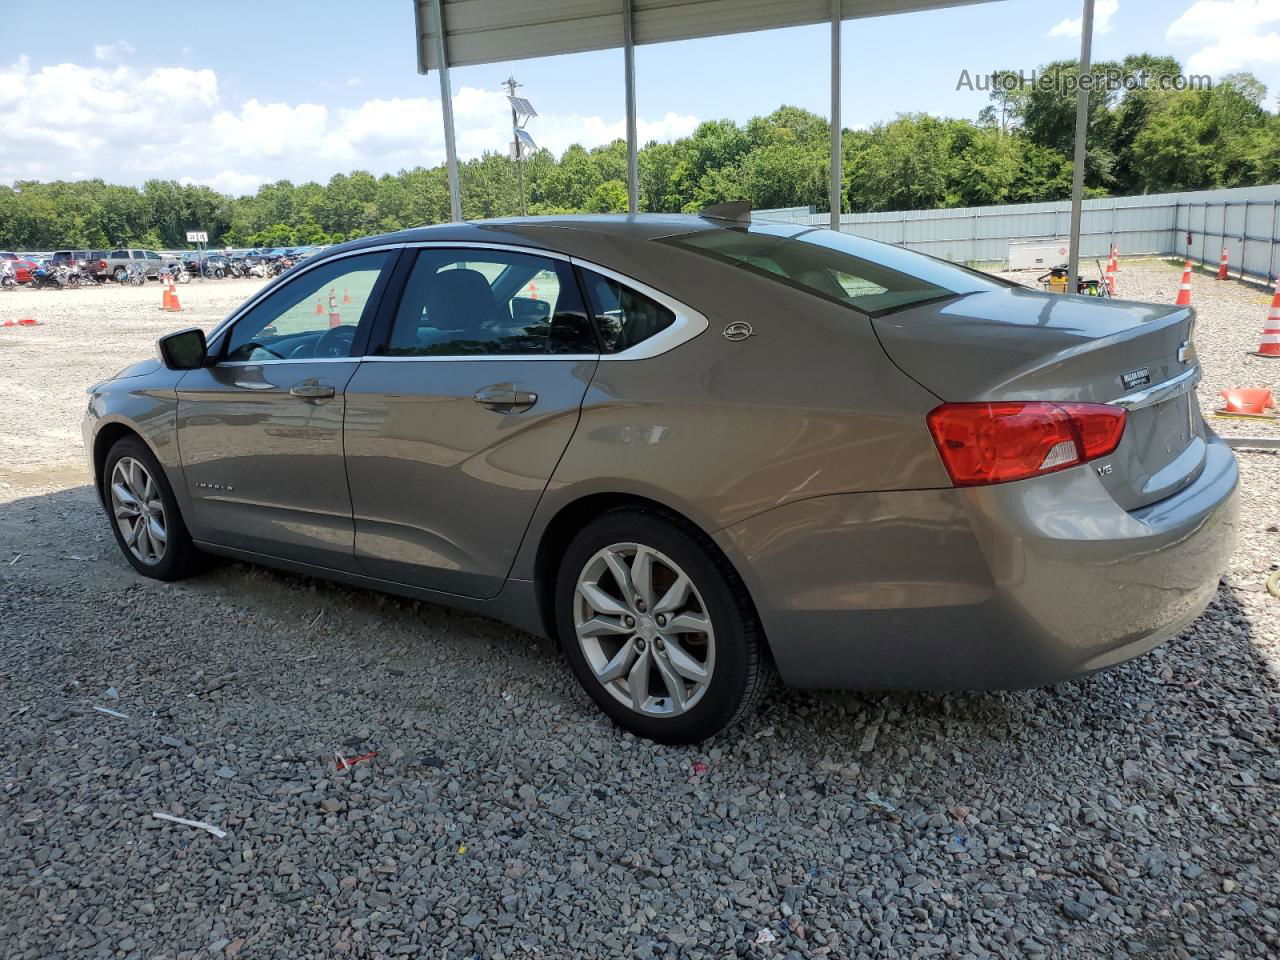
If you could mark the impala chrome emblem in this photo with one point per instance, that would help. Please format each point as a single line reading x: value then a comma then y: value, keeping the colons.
x: 738, y: 330
x: 1186, y: 352
x: 228, y: 488
x: 1136, y: 378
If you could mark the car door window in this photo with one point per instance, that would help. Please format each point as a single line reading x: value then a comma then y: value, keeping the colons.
x: 313, y: 316
x: 151, y: 255
x: 624, y: 317
x: 459, y: 303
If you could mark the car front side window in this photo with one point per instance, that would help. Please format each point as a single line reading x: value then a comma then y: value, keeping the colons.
x: 313, y: 316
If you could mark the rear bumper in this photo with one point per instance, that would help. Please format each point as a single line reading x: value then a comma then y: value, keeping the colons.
x: 1015, y: 585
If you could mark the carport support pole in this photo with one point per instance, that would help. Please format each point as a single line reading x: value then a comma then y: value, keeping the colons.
x: 629, y: 76
x: 1082, y: 134
x: 446, y: 106
x: 836, y: 186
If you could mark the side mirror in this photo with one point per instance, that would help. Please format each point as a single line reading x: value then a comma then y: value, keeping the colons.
x: 184, y: 350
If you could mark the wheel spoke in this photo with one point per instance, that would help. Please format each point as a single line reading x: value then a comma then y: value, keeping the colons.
x: 124, y: 497
x: 642, y: 576
x: 689, y: 623
x: 135, y: 531
x: 621, y: 573
x: 621, y: 662
x: 684, y: 664
x: 600, y: 601
x: 677, y: 596
x: 136, y: 483
x: 674, y: 685
x: 638, y: 680
x: 601, y: 627
x: 155, y: 532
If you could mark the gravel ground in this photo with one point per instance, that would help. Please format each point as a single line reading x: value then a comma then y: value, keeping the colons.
x: 1133, y: 813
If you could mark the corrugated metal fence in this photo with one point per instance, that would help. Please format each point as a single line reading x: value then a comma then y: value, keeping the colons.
x: 1242, y: 218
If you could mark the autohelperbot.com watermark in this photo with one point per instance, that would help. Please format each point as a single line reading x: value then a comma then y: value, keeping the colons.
x: 1054, y: 81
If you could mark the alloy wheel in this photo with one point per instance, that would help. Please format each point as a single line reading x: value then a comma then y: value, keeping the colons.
x: 644, y: 630
x: 139, y: 510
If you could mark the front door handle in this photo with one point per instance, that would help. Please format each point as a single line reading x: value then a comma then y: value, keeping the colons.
x: 313, y: 390
x: 505, y: 397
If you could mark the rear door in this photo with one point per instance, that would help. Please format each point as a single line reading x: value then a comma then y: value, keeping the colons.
x: 458, y: 418
x: 260, y: 430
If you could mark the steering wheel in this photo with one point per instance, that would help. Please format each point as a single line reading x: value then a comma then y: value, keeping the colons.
x: 335, y: 342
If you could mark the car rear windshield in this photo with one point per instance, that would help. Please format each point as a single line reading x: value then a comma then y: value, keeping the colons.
x: 872, y: 277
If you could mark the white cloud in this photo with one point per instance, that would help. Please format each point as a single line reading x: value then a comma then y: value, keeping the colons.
x: 1103, y: 11
x: 1230, y: 34
x: 354, y: 81
x: 110, y: 52
x: 127, y: 125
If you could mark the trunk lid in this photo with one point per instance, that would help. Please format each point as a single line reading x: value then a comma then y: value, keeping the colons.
x: 1020, y: 344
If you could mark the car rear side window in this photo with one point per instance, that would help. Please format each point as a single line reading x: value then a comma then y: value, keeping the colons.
x: 624, y: 317
x: 872, y: 277
x: 476, y: 302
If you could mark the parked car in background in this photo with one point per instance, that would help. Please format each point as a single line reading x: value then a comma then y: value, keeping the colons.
x: 215, y: 265
x: 22, y: 269
x: 117, y: 263
x: 694, y: 450
x: 92, y: 263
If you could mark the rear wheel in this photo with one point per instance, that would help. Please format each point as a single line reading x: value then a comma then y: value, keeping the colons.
x: 658, y: 628
x: 144, y: 514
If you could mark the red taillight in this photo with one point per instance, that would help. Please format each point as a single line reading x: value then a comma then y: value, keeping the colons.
x: 984, y: 443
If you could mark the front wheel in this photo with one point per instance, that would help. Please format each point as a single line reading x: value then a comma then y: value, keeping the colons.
x: 658, y: 627
x: 144, y: 513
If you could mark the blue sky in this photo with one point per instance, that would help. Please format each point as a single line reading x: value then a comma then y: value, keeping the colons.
x: 304, y: 91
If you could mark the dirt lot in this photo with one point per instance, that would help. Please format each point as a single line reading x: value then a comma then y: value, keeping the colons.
x: 1130, y: 814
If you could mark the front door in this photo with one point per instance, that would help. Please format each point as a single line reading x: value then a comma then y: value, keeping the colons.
x: 260, y: 430
x: 457, y: 420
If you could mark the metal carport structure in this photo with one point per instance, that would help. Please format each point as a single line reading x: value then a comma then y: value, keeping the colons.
x: 469, y: 32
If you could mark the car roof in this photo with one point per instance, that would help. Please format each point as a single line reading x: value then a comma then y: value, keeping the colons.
x: 541, y: 231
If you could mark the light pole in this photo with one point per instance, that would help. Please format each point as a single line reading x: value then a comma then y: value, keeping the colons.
x: 521, y: 112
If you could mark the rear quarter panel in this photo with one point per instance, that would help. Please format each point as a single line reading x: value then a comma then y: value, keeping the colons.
x: 719, y: 430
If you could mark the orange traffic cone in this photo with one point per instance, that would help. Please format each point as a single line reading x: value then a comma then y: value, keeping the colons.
x: 319, y: 307
x: 1110, y: 273
x: 1222, y: 264
x: 1184, y: 291
x: 346, y: 297
x: 1254, y: 401
x: 1270, y: 345
x: 165, y: 298
x: 335, y: 320
x: 21, y: 322
x: 1115, y: 256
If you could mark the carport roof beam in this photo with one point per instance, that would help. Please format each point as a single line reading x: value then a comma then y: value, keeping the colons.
x: 491, y: 31
x: 462, y: 33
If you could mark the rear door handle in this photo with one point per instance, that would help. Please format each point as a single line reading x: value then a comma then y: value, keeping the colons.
x: 313, y: 390
x: 505, y: 398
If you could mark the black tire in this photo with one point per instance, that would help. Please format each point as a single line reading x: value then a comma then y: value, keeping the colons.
x: 742, y: 670
x: 181, y: 559
x: 121, y: 274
